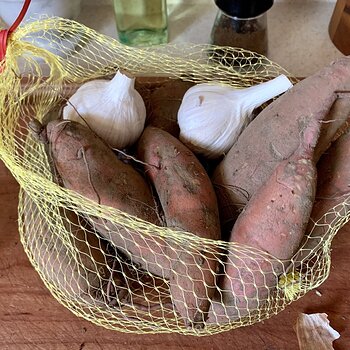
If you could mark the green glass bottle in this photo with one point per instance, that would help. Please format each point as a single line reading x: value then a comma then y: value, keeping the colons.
x: 141, y: 22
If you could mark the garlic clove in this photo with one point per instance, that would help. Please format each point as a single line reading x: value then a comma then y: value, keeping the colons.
x: 113, y: 109
x: 314, y: 332
x: 211, y: 117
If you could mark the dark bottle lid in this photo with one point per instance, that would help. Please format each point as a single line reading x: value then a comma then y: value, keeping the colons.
x: 244, y: 8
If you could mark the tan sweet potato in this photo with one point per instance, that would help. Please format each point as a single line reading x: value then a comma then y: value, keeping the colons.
x: 274, y: 135
x: 189, y: 204
x: 274, y: 222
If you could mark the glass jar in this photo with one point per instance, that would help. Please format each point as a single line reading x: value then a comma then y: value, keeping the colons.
x: 242, y: 24
x: 141, y: 22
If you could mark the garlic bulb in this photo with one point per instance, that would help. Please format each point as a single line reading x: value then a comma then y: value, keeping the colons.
x: 211, y: 117
x: 113, y: 109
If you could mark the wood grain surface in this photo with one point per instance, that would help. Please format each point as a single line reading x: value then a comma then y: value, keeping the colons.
x: 31, y: 319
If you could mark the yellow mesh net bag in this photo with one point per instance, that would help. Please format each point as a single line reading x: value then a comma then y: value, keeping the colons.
x: 115, y: 285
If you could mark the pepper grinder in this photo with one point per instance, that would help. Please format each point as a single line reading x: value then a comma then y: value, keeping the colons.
x: 242, y: 23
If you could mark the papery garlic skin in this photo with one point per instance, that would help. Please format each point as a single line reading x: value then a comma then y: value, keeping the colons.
x: 211, y: 117
x: 113, y: 109
x: 314, y: 332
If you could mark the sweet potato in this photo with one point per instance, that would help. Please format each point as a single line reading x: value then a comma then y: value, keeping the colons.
x: 189, y: 204
x: 274, y: 222
x: 89, y: 167
x: 273, y: 136
x: 333, y: 190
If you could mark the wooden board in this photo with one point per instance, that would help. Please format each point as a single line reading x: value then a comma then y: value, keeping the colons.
x: 339, y: 26
x: 31, y: 319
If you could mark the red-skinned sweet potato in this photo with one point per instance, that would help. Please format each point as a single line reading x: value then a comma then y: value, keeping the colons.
x: 89, y: 167
x: 189, y: 204
x: 274, y: 222
x: 274, y: 135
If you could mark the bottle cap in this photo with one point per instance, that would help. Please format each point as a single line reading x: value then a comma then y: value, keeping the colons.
x: 244, y: 8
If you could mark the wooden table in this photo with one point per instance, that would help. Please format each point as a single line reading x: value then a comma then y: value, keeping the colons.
x: 30, y: 318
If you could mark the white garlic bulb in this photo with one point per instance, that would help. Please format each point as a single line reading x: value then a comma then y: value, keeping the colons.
x: 113, y: 109
x: 211, y: 117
